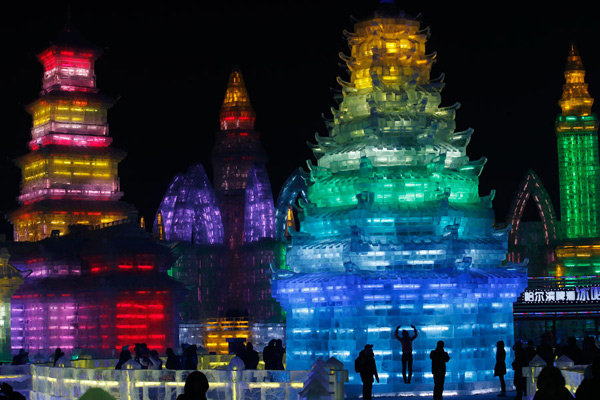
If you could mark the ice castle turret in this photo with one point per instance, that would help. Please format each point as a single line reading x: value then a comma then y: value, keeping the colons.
x: 394, y: 230
x: 225, y: 237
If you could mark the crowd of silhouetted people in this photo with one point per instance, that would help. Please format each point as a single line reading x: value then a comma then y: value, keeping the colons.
x: 550, y: 382
x: 142, y: 358
x: 196, y: 384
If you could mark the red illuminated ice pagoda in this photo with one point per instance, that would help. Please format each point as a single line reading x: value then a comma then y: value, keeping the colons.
x: 70, y: 175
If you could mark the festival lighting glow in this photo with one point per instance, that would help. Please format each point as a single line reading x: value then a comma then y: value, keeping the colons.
x: 70, y: 176
x: 579, y: 175
x: 393, y: 230
x: 578, y: 163
x: 189, y: 210
x: 105, y: 292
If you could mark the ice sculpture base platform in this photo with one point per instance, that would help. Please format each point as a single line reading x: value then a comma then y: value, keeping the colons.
x: 335, y: 315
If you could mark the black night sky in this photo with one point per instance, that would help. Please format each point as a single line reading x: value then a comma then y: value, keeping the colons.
x: 168, y: 65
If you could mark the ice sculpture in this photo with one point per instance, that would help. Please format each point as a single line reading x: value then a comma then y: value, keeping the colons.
x: 578, y: 166
x: 578, y: 254
x: 529, y: 241
x: 259, y: 213
x: 236, y: 150
x: 70, y: 175
x: 394, y: 230
x: 94, y: 289
x: 293, y: 188
x: 227, y: 263
x: 189, y: 210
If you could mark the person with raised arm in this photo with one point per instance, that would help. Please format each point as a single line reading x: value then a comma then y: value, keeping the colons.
x: 407, y: 351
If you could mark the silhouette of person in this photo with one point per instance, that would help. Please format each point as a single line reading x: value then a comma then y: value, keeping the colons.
x: 407, y: 351
x: 237, y: 362
x: 439, y: 358
x: 173, y: 361
x: 368, y: 369
x: 529, y: 351
x: 590, y: 386
x: 9, y: 393
x: 573, y: 351
x: 57, y: 354
x: 544, y: 350
x: 518, y: 363
x: 182, y: 360
x: 269, y: 356
x: 279, y: 353
x: 551, y: 385
x: 590, y: 350
x: 124, y: 356
x: 155, y: 361
x: 500, y: 367
x: 191, y: 358
x: 196, y: 386
x: 144, y: 359
x: 22, y: 358
x: 251, y: 358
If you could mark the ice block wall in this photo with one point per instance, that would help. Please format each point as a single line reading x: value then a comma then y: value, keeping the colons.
x: 335, y: 315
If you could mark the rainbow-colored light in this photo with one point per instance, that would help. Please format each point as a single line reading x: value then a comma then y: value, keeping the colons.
x: 70, y: 175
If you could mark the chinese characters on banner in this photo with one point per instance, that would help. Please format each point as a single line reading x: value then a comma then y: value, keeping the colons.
x: 567, y: 295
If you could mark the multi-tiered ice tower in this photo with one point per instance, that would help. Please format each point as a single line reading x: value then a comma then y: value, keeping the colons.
x: 70, y: 175
x: 578, y: 254
x: 394, y: 230
x: 227, y: 235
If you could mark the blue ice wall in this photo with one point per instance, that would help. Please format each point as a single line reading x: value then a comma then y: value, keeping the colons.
x: 335, y: 315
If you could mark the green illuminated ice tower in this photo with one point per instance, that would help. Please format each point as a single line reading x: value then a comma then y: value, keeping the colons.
x: 578, y: 166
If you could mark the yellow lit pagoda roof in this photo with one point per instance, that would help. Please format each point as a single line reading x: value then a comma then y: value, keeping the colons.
x: 575, y: 100
x: 237, y: 112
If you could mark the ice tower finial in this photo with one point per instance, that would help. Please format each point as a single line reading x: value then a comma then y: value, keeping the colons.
x: 575, y: 100
x: 237, y: 112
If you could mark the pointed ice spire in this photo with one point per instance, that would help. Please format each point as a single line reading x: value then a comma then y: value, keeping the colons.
x: 575, y: 100
x: 236, y: 112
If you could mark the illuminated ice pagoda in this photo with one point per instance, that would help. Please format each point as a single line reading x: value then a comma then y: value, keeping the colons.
x: 94, y: 279
x: 225, y: 237
x: 394, y: 230
x: 70, y: 175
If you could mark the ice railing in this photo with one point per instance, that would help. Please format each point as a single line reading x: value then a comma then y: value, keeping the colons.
x: 71, y: 383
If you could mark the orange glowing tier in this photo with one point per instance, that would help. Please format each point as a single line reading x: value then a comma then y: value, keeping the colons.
x: 70, y: 176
